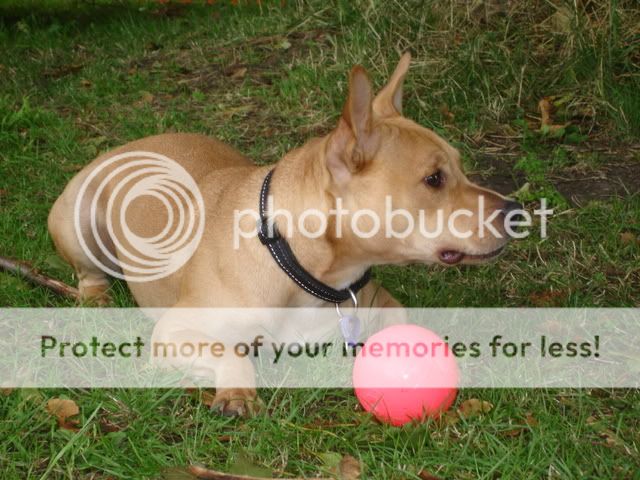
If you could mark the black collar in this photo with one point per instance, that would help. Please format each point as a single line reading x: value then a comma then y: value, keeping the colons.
x: 286, y: 260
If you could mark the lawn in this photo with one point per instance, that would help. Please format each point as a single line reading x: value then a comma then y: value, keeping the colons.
x: 77, y: 78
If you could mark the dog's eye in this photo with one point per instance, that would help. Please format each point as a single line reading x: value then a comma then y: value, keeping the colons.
x: 435, y: 179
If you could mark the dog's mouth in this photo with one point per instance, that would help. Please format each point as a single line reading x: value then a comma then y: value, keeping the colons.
x: 452, y: 257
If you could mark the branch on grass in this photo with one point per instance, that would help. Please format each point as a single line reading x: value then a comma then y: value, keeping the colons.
x: 32, y: 275
x: 206, y: 474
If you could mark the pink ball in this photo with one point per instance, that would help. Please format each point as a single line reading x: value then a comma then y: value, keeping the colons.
x: 405, y: 373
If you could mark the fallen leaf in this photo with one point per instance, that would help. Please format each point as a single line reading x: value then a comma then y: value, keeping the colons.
x: 546, y: 110
x: 6, y: 391
x: 107, y: 426
x: 86, y: 83
x: 63, y: 410
x: 447, y: 114
x: 63, y: 70
x: 239, y: 72
x: 610, y: 438
x: 349, y: 468
x: 548, y: 298
x: 530, y: 420
x: 474, y: 407
x: 71, y: 168
x: 424, y: 475
x: 451, y: 417
x: 514, y: 432
x: 627, y: 238
x: 147, y: 97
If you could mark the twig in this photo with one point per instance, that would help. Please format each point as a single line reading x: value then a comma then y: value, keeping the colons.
x: 29, y: 273
x: 206, y: 474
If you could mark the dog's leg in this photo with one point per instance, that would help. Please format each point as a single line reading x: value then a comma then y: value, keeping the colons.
x: 93, y: 283
x: 234, y: 375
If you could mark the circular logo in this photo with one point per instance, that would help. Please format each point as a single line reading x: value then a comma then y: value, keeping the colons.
x: 115, y: 184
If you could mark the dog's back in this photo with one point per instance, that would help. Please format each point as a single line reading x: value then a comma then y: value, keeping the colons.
x: 199, y: 155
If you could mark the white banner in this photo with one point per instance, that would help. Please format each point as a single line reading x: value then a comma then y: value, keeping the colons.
x: 302, y: 348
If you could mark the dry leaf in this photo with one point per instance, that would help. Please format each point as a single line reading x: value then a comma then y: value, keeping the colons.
x: 71, y: 168
x: 447, y: 114
x: 62, y: 70
x: 627, y: 238
x: 514, y: 432
x: 610, y: 438
x: 450, y: 417
x: 530, y: 420
x: 107, y: 426
x: 546, y: 116
x: 86, y: 83
x: 424, y: 475
x: 474, y: 407
x: 548, y: 298
x: 63, y: 410
x: 349, y: 468
x: 239, y: 72
x: 546, y: 112
x: 6, y: 391
x: 147, y: 97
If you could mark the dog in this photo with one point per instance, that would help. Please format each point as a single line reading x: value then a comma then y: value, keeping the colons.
x: 374, y: 153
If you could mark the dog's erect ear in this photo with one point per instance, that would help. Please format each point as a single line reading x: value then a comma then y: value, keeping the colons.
x: 389, y: 101
x: 351, y: 143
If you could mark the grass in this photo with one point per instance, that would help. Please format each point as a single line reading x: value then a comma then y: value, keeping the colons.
x: 79, y: 78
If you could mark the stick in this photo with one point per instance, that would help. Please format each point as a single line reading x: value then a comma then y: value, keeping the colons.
x: 206, y: 474
x: 29, y: 273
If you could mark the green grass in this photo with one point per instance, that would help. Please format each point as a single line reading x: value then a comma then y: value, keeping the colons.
x: 77, y: 78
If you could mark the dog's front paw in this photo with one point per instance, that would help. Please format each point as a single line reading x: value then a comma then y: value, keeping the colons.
x: 240, y: 402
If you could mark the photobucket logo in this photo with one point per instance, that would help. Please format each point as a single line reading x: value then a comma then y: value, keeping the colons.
x: 399, y: 223
x: 100, y: 215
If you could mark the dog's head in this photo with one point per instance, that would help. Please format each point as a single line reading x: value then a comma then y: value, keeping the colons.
x: 383, y: 164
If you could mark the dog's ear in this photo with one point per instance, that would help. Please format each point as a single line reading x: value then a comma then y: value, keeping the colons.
x: 388, y: 102
x: 351, y: 144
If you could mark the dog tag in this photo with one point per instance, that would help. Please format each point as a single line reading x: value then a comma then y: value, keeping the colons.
x: 350, y: 328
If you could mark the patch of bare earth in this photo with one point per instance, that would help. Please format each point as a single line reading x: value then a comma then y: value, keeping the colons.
x: 616, y: 174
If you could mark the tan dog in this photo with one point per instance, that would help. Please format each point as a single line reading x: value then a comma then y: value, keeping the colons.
x: 373, y: 153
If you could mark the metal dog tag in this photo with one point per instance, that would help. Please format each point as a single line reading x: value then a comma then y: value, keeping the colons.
x: 350, y: 328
